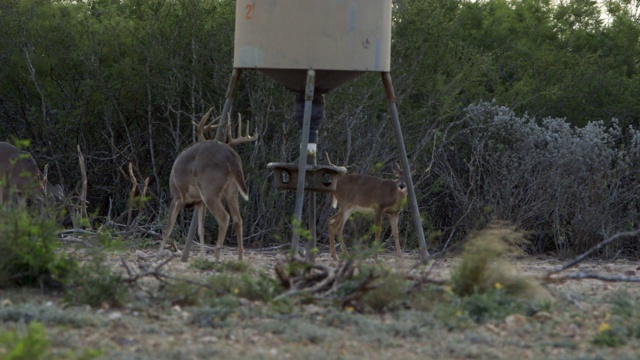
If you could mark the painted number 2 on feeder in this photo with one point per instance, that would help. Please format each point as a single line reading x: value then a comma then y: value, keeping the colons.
x: 249, y: 10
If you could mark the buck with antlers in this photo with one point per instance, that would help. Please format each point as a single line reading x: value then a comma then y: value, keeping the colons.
x: 20, y: 177
x: 204, y: 175
x: 364, y: 193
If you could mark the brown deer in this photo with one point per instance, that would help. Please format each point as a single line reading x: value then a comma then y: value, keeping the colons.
x: 364, y: 193
x: 204, y: 175
x: 20, y: 177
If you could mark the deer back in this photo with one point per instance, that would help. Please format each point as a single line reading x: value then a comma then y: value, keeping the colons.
x: 366, y: 192
x: 208, y: 167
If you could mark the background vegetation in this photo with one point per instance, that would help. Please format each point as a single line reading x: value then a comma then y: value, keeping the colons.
x: 524, y: 110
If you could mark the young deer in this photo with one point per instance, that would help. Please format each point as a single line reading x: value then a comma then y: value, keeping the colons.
x: 205, y: 174
x: 363, y: 193
x: 21, y: 178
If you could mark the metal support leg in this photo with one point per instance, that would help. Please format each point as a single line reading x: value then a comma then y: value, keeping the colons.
x: 393, y: 111
x: 192, y: 231
x: 311, y: 253
x: 302, y: 161
x: 228, y: 103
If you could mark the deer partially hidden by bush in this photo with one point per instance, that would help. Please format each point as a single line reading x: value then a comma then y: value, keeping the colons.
x: 20, y: 178
x: 364, y: 193
x: 204, y: 175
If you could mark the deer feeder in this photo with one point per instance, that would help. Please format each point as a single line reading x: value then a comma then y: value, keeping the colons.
x: 312, y: 47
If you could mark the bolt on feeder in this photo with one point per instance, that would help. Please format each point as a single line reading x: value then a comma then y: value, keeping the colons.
x: 311, y: 47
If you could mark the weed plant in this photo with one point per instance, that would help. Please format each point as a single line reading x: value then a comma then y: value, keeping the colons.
x: 484, y: 264
x: 96, y: 284
x: 622, y: 324
x: 28, y: 246
x: 33, y: 345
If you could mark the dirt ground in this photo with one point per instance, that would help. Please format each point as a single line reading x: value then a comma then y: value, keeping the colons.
x: 565, y: 331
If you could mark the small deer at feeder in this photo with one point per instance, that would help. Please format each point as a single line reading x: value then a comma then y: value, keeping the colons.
x: 20, y: 177
x: 364, y: 193
x: 205, y: 174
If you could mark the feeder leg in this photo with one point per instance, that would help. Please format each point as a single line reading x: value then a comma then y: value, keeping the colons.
x: 393, y: 111
x: 311, y: 254
x: 302, y: 161
x: 190, y: 234
x: 228, y: 102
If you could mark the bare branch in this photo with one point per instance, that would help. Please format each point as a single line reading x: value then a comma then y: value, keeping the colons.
x: 83, y: 192
x: 602, y: 244
x: 584, y: 275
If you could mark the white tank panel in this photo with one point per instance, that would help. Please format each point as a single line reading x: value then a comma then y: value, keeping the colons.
x: 348, y: 35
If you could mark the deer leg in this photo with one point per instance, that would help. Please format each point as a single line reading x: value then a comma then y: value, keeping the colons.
x: 173, y: 214
x: 222, y: 218
x: 333, y: 225
x: 393, y: 220
x: 345, y: 217
x: 201, y: 212
x: 377, y: 223
x: 234, y: 209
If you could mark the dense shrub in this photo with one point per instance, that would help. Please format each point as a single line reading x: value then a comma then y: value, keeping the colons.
x: 28, y: 246
x: 571, y: 186
x: 95, y: 283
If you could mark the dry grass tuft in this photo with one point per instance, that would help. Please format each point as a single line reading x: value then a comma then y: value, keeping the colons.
x: 485, y: 264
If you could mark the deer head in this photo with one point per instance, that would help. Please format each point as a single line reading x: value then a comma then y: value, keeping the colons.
x: 20, y: 177
x: 207, y: 174
x: 364, y: 193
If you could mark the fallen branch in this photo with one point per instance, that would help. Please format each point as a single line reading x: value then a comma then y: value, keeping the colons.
x: 602, y: 244
x: 583, y: 275
x: 155, y: 272
x: 314, y: 279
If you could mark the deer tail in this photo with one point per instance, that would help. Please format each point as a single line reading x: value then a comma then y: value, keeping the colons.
x: 239, y: 179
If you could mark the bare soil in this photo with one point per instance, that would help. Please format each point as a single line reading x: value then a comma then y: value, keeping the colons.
x: 313, y: 331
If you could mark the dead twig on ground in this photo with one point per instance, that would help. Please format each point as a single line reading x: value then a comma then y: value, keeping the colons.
x: 302, y: 277
x: 584, y: 275
x: 154, y: 272
x: 602, y: 244
x: 583, y: 256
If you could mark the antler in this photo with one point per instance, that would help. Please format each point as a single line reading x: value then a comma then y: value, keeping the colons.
x: 202, y: 127
x: 328, y: 159
x: 242, y: 139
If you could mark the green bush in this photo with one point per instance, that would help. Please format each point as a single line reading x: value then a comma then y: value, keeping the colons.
x: 610, y: 336
x: 622, y: 324
x: 217, y: 313
x: 32, y: 346
x: 28, y: 250
x: 183, y: 293
x: 249, y: 286
x: 95, y: 284
x: 484, y: 264
x: 491, y: 305
x: 389, y: 293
